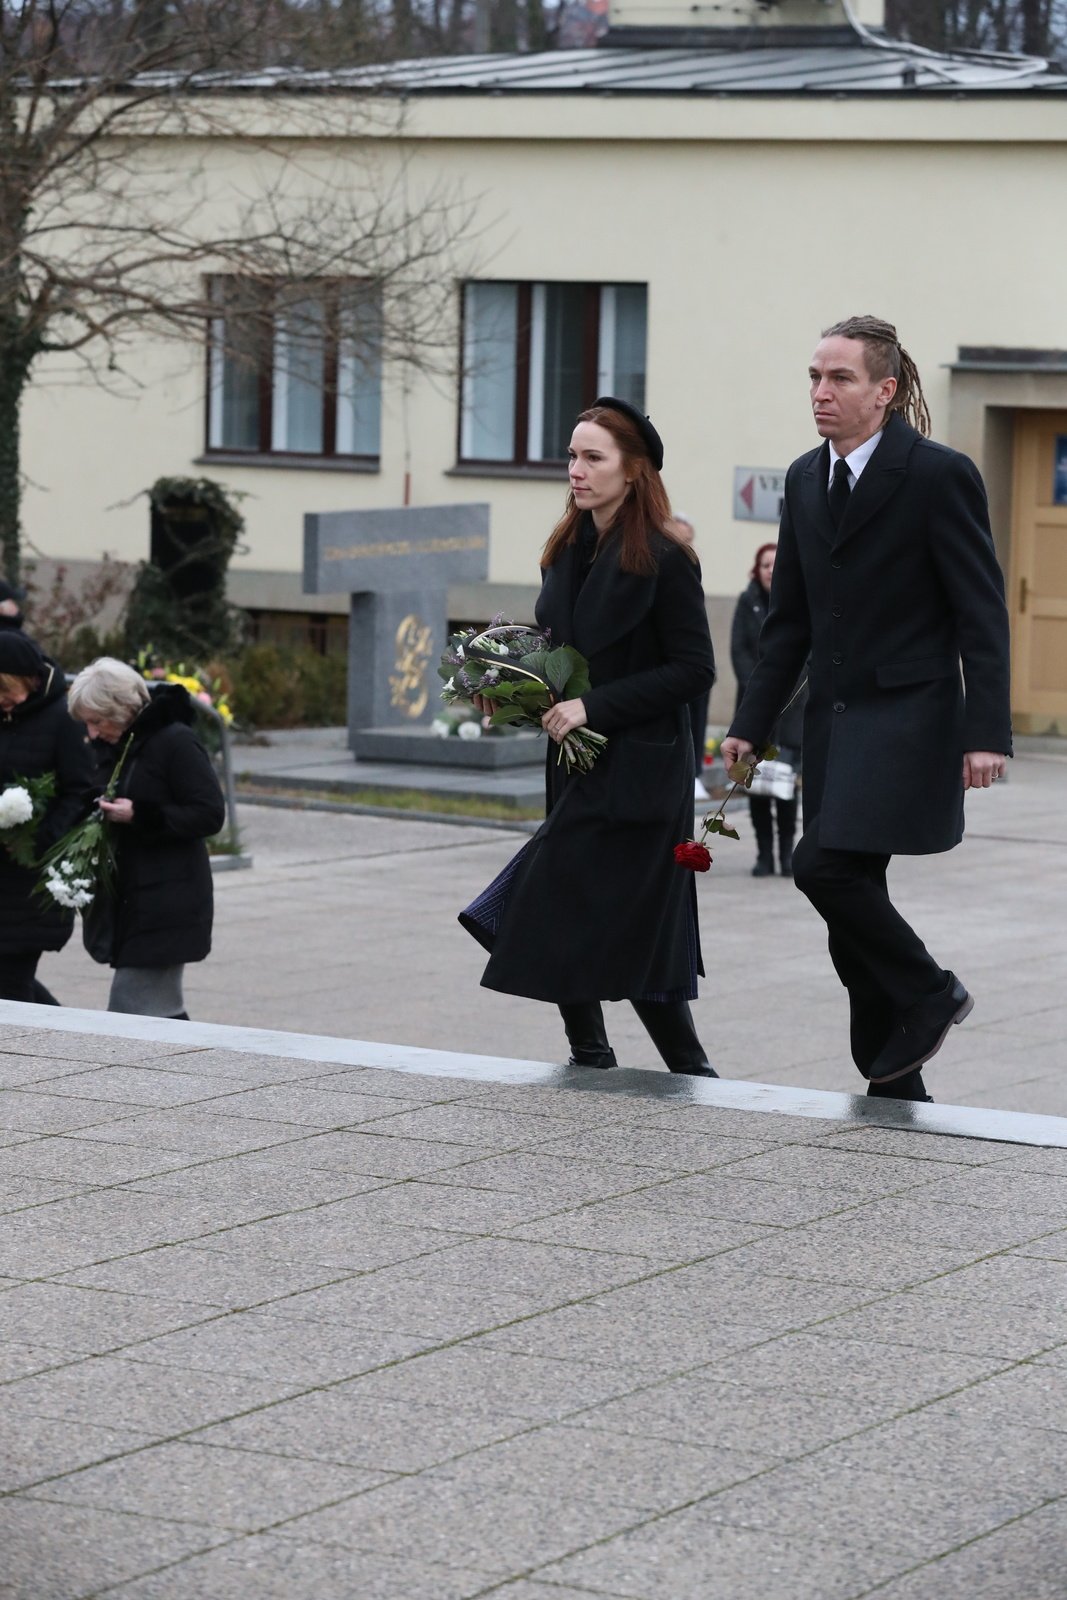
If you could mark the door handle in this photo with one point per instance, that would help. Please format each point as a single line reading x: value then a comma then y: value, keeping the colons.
x: 1024, y: 590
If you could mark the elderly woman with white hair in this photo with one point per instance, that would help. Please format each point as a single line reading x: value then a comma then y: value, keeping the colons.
x: 167, y: 802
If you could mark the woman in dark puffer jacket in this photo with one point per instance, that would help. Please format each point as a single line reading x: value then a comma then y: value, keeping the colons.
x: 37, y: 736
x: 167, y: 803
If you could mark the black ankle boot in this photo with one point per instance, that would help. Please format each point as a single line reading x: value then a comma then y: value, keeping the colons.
x: 583, y: 1023
x: 785, y: 857
x: 762, y: 826
x: 669, y: 1024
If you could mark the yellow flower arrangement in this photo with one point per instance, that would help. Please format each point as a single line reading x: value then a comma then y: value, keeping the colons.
x: 208, y: 691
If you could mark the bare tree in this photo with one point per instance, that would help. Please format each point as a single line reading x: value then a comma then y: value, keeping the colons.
x: 118, y: 221
x: 1034, y: 27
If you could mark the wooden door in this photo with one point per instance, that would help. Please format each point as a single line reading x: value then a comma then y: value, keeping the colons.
x: 1037, y: 594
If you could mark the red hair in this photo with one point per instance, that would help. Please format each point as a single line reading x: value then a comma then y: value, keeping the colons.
x: 644, y: 511
x: 760, y: 553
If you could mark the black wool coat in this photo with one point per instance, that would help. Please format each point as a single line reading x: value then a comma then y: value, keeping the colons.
x: 164, y: 903
x: 750, y: 613
x: 891, y: 607
x: 40, y: 736
x: 598, y: 908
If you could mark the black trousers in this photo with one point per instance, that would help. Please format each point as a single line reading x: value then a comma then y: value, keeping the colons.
x: 760, y: 810
x: 879, y: 958
x: 18, y: 976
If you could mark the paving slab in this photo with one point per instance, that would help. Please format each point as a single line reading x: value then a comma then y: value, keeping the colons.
x: 364, y: 1319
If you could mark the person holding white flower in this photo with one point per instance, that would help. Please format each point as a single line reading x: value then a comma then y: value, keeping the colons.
x: 594, y: 907
x: 166, y: 803
x: 37, y: 738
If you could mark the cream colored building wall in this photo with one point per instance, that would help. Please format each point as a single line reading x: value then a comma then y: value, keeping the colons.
x: 753, y: 223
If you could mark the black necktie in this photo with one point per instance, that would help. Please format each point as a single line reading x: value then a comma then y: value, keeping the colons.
x: 839, y: 492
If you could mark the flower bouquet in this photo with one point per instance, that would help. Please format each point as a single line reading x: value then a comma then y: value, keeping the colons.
x: 81, y: 865
x: 694, y: 853
x: 22, y: 805
x: 517, y: 669
x: 202, y: 687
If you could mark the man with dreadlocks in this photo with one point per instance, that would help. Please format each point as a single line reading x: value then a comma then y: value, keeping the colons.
x: 887, y: 580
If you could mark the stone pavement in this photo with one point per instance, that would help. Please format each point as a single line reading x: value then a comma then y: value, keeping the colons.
x: 296, y: 1317
x: 280, y: 1323
x: 346, y: 925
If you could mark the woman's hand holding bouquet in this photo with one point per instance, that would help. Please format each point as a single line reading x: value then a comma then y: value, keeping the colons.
x: 512, y: 674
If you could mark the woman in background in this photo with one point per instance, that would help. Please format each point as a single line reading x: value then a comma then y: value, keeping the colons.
x: 37, y: 737
x: 749, y: 617
x: 167, y: 803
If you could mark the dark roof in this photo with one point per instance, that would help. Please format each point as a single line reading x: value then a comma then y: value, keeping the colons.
x: 855, y: 68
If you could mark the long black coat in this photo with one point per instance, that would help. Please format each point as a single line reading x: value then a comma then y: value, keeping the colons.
x: 598, y: 908
x: 40, y: 736
x: 889, y: 606
x: 750, y: 613
x: 164, y: 903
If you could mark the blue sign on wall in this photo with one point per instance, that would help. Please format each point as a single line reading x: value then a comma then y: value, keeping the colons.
x: 1059, y: 471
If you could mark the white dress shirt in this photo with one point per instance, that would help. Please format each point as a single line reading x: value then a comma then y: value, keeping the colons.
x: 857, y: 459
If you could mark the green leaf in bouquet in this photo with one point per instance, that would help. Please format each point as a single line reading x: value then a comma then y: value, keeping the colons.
x: 718, y: 824
x: 559, y: 665
x: 535, y: 663
x: 507, y: 714
x: 446, y: 671
x: 578, y: 683
x: 768, y: 753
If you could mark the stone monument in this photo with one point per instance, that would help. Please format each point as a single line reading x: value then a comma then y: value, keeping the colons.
x: 396, y: 566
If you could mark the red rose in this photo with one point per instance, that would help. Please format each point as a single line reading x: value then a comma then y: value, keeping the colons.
x: 697, y: 857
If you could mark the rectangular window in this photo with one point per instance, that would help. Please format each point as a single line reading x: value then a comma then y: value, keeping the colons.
x: 294, y: 370
x: 535, y: 354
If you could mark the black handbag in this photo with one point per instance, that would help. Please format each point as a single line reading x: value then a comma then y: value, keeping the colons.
x: 98, y: 927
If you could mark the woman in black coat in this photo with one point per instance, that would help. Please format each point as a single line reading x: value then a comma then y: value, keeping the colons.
x: 595, y: 908
x: 167, y: 802
x: 749, y: 617
x: 37, y: 736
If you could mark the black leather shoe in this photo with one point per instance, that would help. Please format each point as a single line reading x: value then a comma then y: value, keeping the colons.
x: 919, y: 1032
x: 910, y: 1087
x: 785, y: 861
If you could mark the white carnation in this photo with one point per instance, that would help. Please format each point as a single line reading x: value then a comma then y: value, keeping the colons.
x: 74, y: 893
x: 469, y: 730
x: 439, y: 728
x: 15, y: 806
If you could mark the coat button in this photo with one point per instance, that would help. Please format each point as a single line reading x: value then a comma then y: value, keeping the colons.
x: 837, y: 612
x: 839, y: 705
x: 837, y: 660
x: 835, y: 563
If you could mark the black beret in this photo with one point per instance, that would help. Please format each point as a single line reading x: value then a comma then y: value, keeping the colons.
x: 9, y: 593
x: 653, y: 442
x: 20, y: 656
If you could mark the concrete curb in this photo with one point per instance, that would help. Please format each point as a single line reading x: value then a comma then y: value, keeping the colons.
x: 963, y: 1122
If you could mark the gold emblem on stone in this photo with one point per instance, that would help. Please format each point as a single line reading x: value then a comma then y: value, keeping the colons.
x: 408, y: 689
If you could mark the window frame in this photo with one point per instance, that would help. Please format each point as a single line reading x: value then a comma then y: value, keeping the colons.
x: 271, y: 304
x: 520, y: 459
